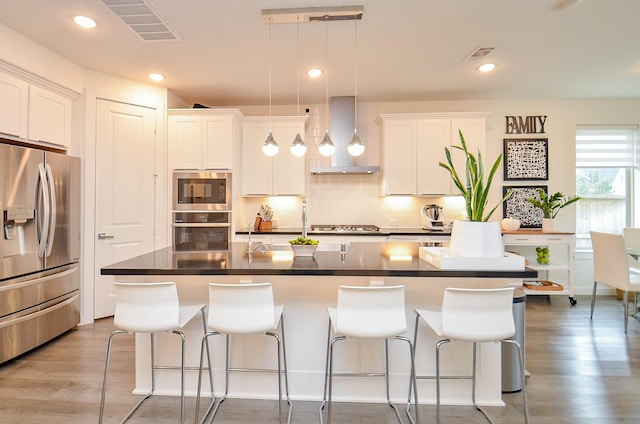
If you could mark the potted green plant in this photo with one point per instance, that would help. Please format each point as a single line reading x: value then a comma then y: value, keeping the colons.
x: 550, y: 206
x: 475, y: 189
x: 475, y: 237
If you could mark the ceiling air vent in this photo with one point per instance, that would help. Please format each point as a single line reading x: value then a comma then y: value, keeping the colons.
x: 143, y: 19
x: 480, y: 53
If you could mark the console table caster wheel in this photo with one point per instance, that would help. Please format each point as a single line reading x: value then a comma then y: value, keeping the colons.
x: 572, y: 301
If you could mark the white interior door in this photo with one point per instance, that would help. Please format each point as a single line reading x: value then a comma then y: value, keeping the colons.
x: 125, y: 144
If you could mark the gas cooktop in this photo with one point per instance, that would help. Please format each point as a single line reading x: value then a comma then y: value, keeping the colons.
x: 345, y: 229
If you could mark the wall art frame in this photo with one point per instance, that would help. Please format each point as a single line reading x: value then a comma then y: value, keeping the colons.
x: 516, y: 205
x: 526, y: 159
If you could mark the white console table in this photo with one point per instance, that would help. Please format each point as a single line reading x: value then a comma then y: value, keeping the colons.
x: 560, y: 245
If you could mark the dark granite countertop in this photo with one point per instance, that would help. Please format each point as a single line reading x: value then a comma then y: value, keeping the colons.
x: 362, y: 259
x: 400, y: 231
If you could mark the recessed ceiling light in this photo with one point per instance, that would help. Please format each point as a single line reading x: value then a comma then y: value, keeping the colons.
x: 84, y: 22
x: 156, y: 77
x: 487, y: 67
x: 314, y: 72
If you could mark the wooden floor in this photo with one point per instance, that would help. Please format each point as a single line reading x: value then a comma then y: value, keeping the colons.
x: 582, y: 371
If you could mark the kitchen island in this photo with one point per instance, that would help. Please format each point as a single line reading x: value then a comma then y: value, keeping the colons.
x: 307, y: 286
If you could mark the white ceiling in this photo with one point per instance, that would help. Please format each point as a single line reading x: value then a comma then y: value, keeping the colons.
x: 407, y: 50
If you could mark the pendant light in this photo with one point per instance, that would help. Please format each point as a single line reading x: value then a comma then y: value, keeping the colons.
x: 298, y: 148
x: 270, y: 147
x: 355, y: 147
x: 326, y: 147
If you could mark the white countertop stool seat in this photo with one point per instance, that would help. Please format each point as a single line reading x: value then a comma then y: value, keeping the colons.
x: 368, y: 312
x: 244, y: 308
x: 476, y: 316
x: 613, y: 266
x: 151, y: 308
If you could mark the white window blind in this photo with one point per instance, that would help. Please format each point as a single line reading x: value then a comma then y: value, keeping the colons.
x: 601, y: 147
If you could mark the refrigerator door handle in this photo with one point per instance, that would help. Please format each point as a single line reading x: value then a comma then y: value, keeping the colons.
x: 53, y: 211
x: 42, y: 200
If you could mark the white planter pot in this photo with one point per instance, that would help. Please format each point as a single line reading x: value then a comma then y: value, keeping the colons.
x: 548, y: 225
x: 476, y: 240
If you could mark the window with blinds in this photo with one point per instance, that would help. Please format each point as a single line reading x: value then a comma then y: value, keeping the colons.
x: 605, y: 163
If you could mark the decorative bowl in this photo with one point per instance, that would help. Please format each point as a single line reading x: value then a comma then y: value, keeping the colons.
x: 510, y: 224
x: 304, y: 249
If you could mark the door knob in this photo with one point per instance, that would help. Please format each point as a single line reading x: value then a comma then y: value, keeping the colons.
x: 103, y: 236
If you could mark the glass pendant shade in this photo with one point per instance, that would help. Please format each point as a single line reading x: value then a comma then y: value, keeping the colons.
x: 326, y: 147
x: 298, y: 148
x: 270, y: 147
x: 355, y: 147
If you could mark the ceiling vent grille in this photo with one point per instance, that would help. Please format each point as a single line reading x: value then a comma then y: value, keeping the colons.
x: 143, y: 19
x: 479, y: 53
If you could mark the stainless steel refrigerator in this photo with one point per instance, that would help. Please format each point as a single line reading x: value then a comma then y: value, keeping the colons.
x: 39, y: 247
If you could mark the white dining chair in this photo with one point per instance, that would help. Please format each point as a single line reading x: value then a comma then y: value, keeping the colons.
x: 475, y: 316
x: 240, y: 309
x: 367, y: 312
x: 611, y: 266
x: 151, y: 308
x: 632, y: 243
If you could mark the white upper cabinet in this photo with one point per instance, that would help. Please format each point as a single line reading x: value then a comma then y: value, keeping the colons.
x: 202, y: 138
x: 413, y: 146
x: 14, y: 97
x: 49, y: 117
x: 33, y: 113
x: 280, y: 175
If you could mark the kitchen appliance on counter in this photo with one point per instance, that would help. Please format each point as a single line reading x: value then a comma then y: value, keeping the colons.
x: 345, y: 229
x: 434, y: 218
x: 39, y: 247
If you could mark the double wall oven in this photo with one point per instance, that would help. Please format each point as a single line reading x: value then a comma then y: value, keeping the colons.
x: 201, y: 210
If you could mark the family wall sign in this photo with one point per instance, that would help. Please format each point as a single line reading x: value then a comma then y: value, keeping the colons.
x: 525, y: 124
x: 525, y: 159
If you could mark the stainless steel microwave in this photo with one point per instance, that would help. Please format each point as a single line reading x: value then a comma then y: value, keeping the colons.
x: 202, y: 190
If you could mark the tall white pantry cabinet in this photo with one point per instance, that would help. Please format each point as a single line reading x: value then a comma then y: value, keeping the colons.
x: 413, y: 145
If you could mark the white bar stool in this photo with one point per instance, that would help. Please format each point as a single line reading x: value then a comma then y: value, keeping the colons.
x: 151, y: 308
x: 244, y: 308
x: 476, y: 316
x: 369, y: 312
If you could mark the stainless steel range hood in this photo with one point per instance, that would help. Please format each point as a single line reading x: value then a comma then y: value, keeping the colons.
x: 342, y: 125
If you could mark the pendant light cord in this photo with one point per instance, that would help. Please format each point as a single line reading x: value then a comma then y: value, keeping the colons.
x: 270, y: 116
x: 355, y: 73
x: 298, y: 63
x: 326, y: 75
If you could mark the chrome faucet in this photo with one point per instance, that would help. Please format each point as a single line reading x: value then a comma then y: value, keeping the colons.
x: 304, y: 218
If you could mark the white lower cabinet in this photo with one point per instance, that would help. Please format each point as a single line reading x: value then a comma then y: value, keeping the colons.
x: 560, y: 267
x: 425, y: 240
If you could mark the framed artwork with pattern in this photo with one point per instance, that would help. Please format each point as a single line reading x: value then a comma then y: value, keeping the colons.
x: 526, y: 159
x: 516, y: 205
